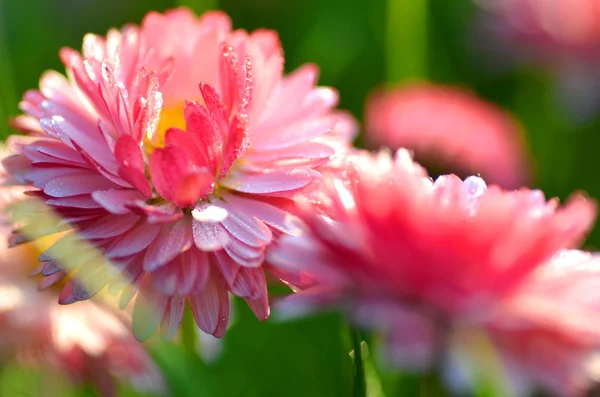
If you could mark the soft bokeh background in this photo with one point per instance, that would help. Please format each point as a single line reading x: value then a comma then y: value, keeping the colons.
x: 359, y: 45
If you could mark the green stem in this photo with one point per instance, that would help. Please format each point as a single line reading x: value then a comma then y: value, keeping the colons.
x: 189, y: 336
x: 406, y: 40
x: 360, y: 386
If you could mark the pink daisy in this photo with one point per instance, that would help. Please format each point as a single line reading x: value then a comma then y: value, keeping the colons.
x: 451, y: 128
x: 416, y: 260
x: 176, y: 148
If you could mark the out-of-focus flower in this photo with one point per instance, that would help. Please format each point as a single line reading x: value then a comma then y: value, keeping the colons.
x: 451, y: 128
x: 175, y: 148
x: 548, y: 328
x: 563, y: 36
x: 89, y: 342
x: 418, y: 261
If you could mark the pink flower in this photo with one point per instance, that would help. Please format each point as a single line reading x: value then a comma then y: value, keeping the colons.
x: 548, y: 27
x: 416, y: 260
x: 549, y: 328
x: 89, y: 342
x: 560, y: 36
x: 175, y: 148
x: 451, y: 128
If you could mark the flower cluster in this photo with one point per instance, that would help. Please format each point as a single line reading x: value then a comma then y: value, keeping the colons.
x: 176, y: 164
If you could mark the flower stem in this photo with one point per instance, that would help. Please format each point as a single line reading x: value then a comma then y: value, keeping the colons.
x: 188, y: 332
x: 406, y: 40
x: 360, y: 386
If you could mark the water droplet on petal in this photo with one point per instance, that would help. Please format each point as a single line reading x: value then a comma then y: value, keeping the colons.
x: 475, y: 186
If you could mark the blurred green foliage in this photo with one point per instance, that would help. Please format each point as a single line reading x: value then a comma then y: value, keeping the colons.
x: 432, y: 40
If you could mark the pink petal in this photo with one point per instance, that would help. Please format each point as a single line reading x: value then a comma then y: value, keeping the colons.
x: 247, y: 229
x: 193, y: 186
x: 49, y: 268
x: 134, y: 241
x: 244, y: 254
x: 18, y: 166
x: 304, y: 150
x: 260, y: 306
x: 173, y: 316
x: 83, y: 201
x: 170, y: 242
x: 250, y: 283
x: 115, y: 201
x: 296, y: 85
x: 114, y: 96
x: 236, y: 80
x: 58, y: 150
x: 209, y: 236
x: 291, y: 135
x: 228, y: 267
x: 236, y: 144
x: 131, y: 164
x: 165, y: 213
x: 267, y: 213
x: 192, y: 146
x: 108, y: 226
x: 206, y: 126
x: 148, y: 103
x: 49, y: 281
x: 211, y: 307
x: 172, y: 172
x: 273, y: 182
x: 72, y: 185
x: 90, y: 141
x: 184, y: 275
x: 39, y: 177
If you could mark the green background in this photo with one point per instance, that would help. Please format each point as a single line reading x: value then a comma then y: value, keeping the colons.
x: 359, y: 45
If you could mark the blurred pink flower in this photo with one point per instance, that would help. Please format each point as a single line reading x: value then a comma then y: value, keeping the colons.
x: 551, y: 28
x: 562, y: 36
x: 415, y: 260
x: 548, y: 329
x: 452, y: 128
x: 176, y: 147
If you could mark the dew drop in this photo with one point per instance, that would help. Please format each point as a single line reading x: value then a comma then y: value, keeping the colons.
x: 475, y: 186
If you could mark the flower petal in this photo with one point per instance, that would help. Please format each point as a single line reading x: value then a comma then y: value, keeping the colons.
x: 211, y: 307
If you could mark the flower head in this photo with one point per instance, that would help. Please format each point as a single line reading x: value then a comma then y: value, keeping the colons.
x: 416, y: 260
x: 452, y: 128
x: 175, y: 148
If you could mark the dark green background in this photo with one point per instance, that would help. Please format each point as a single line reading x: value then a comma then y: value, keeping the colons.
x: 352, y: 41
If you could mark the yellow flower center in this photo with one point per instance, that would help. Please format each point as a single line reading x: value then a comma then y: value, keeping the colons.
x: 170, y: 117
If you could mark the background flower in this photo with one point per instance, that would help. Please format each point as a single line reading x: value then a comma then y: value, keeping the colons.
x: 450, y: 129
x: 417, y: 261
